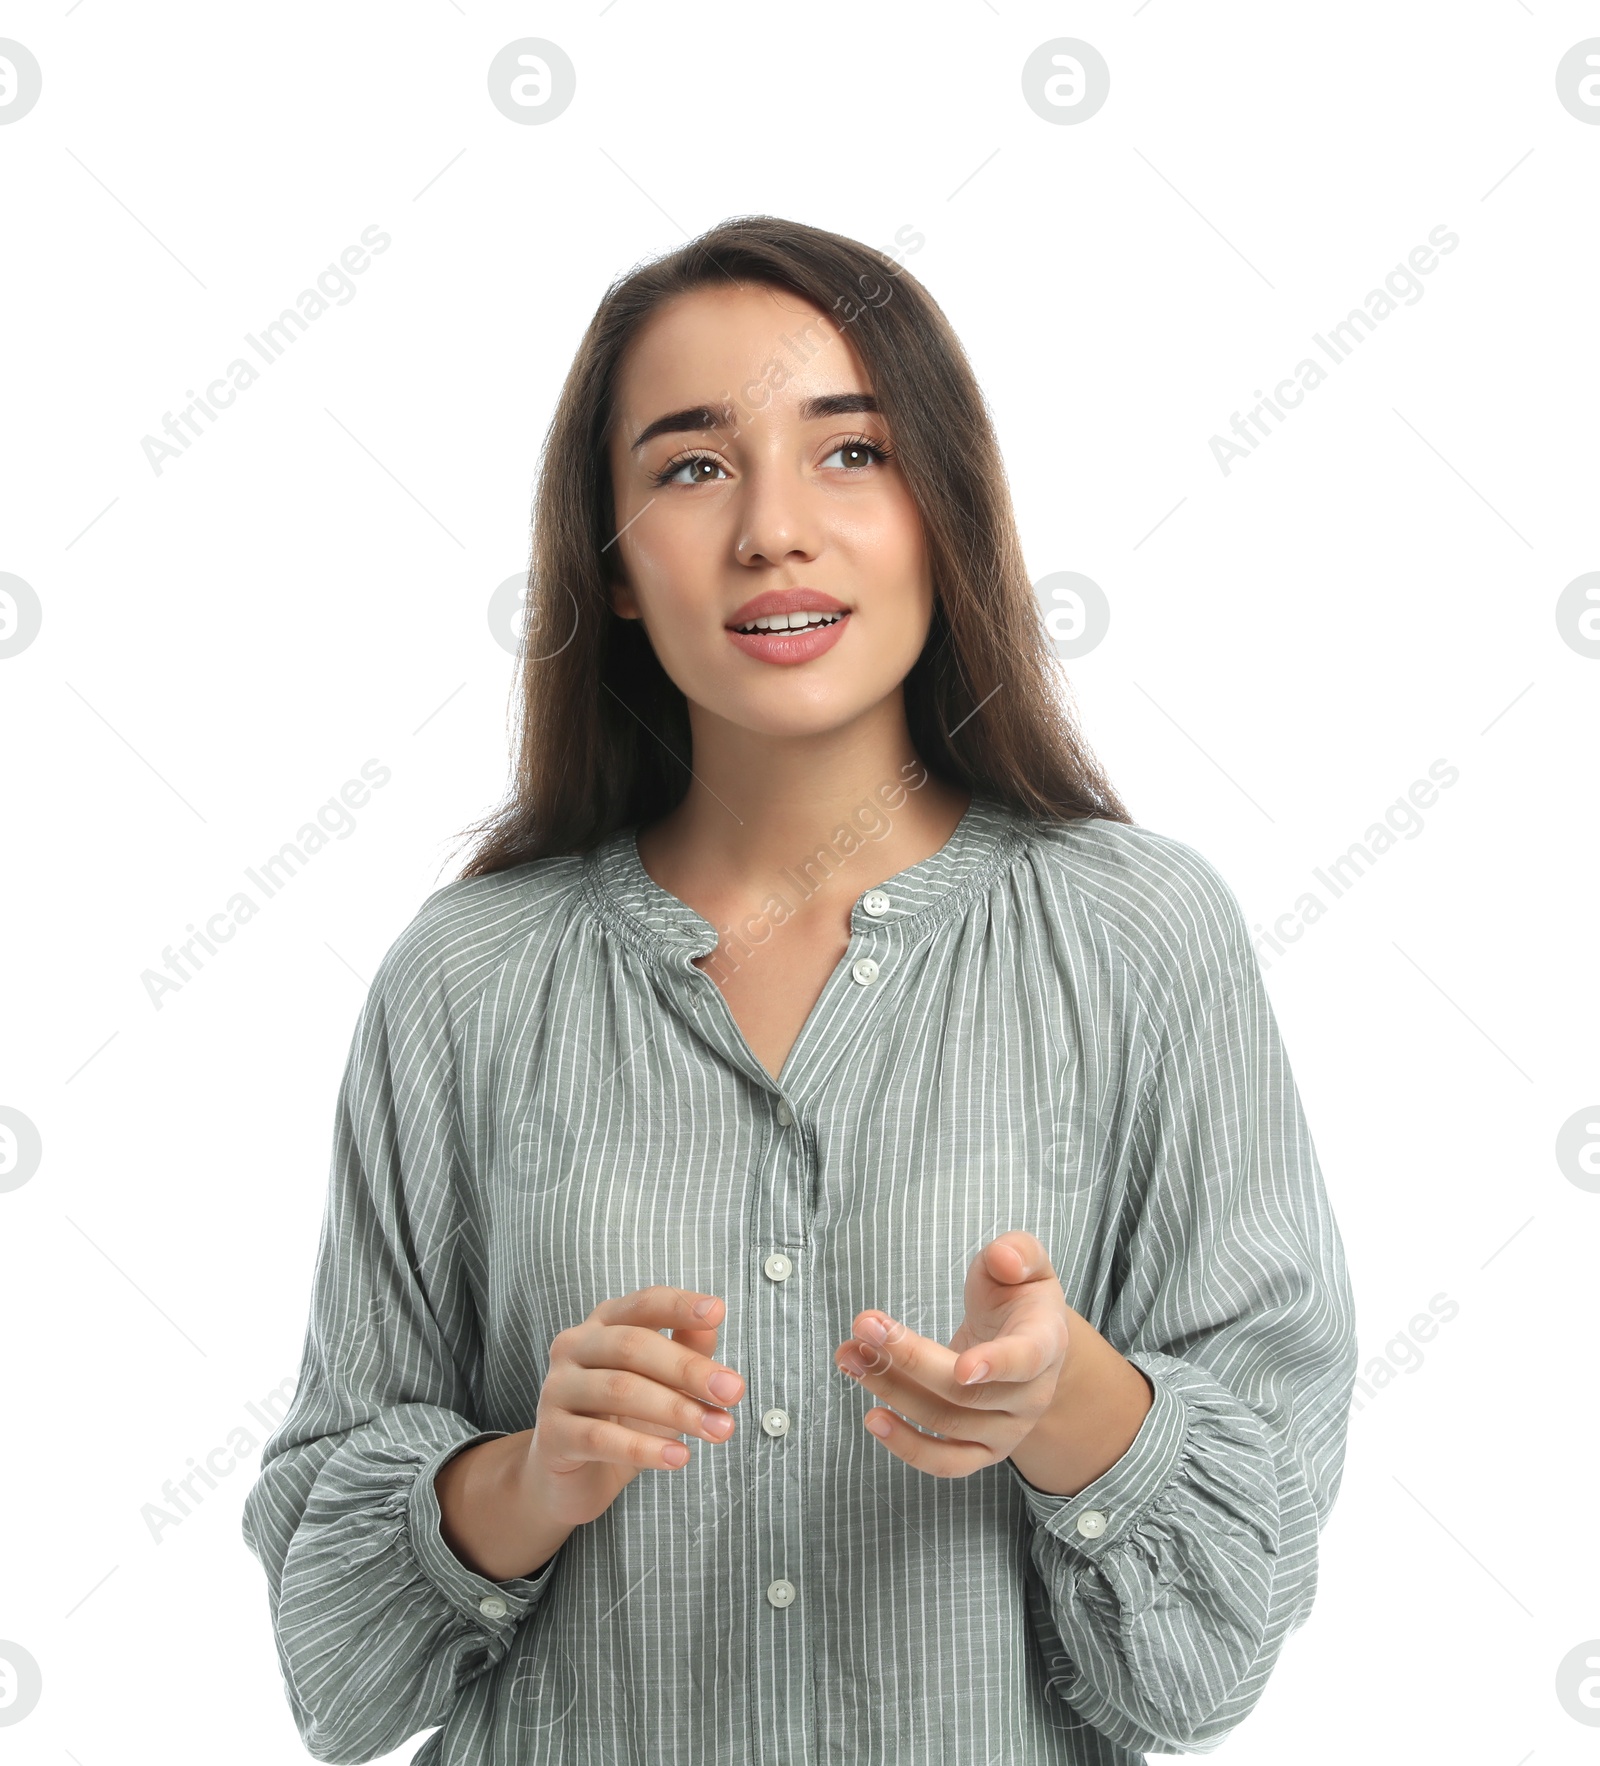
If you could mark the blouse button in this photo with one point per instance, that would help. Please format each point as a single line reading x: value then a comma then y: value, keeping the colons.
x: 785, y: 1114
x: 876, y: 903
x: 776, y: 1422
x: 492, y: 1607
x: 781, y: 1592
x: 777, y: 1267
x: 864, y: 970
x: 1091, y: 1523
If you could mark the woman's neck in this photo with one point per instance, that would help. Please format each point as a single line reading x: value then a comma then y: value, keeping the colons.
x: 845, y: 820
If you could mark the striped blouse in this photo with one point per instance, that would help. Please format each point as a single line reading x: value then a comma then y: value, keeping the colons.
x: 1057, y: 1027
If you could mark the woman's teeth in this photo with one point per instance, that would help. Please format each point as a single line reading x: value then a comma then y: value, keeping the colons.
x: 790, y: 622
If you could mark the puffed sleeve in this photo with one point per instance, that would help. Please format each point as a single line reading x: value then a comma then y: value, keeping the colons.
x: 378, y: 1624
x: 1166, y: 1588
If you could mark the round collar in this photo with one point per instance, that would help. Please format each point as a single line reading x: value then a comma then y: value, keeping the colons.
x: 657, y: 921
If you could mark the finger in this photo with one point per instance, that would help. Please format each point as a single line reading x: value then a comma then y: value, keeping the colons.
x: 941, y: 1414
x: 640, y: 1349
x: 701, y: 1336
x: 882, y: 1342
x: 906, y: 1362
x: 580, y: 1440
x: 917, y: 1376
x: 945, y: 1407
x: 1016, y: 1257
x: 618, y: 1394
x: 1022, y: 1354
x: 635, y: 1350
x: 662, y: 1308
x: 939, y: 1459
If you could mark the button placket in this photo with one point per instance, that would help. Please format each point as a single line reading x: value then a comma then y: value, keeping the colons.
x: 779, y: 1517
x: 865, y: 970
x: 774, y: 1547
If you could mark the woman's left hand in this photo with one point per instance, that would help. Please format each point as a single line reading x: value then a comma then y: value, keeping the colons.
x: 1018, y: 1327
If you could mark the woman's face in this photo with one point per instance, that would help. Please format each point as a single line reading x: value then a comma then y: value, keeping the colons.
x: 773, y: 496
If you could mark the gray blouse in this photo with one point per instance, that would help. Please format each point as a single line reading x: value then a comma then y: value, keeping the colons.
x: 1062, y: 1028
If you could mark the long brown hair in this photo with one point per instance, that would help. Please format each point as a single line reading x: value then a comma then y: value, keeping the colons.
x: 604, y: 737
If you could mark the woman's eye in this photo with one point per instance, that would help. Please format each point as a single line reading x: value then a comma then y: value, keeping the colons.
x: 858, y: 452
x: 692, y: 465
x: 857, y: 455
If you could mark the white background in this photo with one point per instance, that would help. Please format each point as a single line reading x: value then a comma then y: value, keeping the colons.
x: 1291, y: 645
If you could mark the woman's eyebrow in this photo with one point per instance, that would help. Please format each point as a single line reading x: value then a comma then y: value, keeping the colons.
x: 699, y: 418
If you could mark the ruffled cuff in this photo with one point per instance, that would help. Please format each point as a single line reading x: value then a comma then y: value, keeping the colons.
x: 379, y: 1624
x: 494, y: 1607
x: 1198, y: 1447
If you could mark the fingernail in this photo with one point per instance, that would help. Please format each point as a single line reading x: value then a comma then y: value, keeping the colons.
x: 980, y: 1372
x: 874, y: 1330
x: 702, y: 1308
x: 725, y: 1385
x: 878, y: 1423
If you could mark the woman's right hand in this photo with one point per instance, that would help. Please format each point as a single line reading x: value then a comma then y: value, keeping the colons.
x: 618, y: 1395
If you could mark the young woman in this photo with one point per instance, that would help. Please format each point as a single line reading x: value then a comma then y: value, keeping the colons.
x: 814, y: 1062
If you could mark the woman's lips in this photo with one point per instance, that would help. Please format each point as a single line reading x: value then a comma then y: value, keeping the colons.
x: 788, y: 648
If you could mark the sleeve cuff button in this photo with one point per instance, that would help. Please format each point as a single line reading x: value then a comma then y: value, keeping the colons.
x: 1091, y: 1523
x: 493, y: 1607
